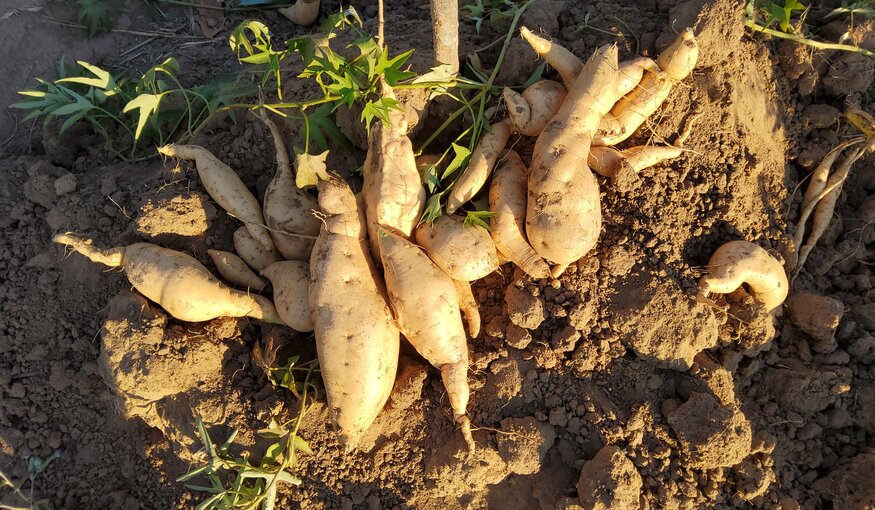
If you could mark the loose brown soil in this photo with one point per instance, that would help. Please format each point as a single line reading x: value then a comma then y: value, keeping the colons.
x: 610, y: 388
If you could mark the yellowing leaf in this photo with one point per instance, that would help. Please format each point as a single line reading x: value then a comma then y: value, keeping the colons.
x: 147, y: 104
x: 310, y: 168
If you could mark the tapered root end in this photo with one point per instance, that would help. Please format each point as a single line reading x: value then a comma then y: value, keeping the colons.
x: 168, y: 150
x: 465, y: 425
x: 557, y: 270
x: 112, y: 257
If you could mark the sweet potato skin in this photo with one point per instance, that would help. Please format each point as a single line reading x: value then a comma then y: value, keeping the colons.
x: 563, y: 211
x: 357, y: 340
x: 177, y: 282
x: 742, y: 262
x: 291, y: 280
x: 465, y: 253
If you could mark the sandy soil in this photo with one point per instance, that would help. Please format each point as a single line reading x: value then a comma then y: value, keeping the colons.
x: 612, y: 387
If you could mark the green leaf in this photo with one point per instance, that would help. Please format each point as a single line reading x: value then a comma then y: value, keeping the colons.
x: 102, y: 80
x: 391, y: 69
x: 147, y: 104
x: 478, y: 219
x: 310, y: 168
x: 301, y: 445
x: 379, y: 109
x: 95, y: 15
x: 323, y: 129
x: 433, y: 208
x: 460, y: 159
x: 72, y: 120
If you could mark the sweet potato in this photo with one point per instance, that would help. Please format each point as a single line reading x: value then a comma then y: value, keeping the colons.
x: 631, y: 73
x: 742, y: 262
x: 235, y: 271
x: 288, y: 210
x: 530, y: 111
x: 826, y: 202
x: 225, y: 187
x: 469, y: 307
x: 607, y: 161
x: 563, y: 213
x: 507, y: 199
x: 357, y: 340
x: 465, y: 253
x: 675, y: 64
x: 252, y: 252
x: 303, y: 12
x: 816, y: 185
x: 426, y: 307
x: 291, y: 281
x: 480, y: 165
x: 393, y: 193
x: 176, y: 281
x: 563, y: 61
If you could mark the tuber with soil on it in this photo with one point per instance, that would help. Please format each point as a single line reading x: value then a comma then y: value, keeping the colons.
x: 290, y: 280
x: 480, y: 165
x: 288, y: 210
x: 176, y: 281
x: 563, y: 212
x: 738, y: 263
x: 507, y: 199
x: 559, y: 58
x: 392, y: 191
x: 235, y: 271
x: 427, y: 309
x: 530, y: 111
x: 674, y: 64
x: 225, y: 187
x: 252, y: 252
x: 466, y: 253
x: 357, y: 340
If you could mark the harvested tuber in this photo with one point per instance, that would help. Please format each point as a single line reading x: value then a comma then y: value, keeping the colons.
x: 480, y: 165
x: 252, y: 252
x: 393, y: 193
x: 291, y: 281
x: 464, y: 252
x: 742, y: 262
x: 507, y: 200
x: 530, y: 111
x: 357, y: 340
x: 176, y: 281
x: 225, y: 187
x: 235, y: 271
x: 426, y: 307
x: 288, y: 210
x: 469, y: 307
x: 561, y: 59
x: 675, y: 64
x: 563, y: 212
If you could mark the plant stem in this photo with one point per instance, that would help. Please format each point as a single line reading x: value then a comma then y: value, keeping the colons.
x: 802, y: 40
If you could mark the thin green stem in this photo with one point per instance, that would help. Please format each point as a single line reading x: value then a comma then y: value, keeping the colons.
x: 802, y: 40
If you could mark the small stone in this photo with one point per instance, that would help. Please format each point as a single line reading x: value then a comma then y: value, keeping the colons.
x: 65, y: 184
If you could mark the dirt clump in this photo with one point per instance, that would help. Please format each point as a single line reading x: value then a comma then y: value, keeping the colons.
x: 818, y: 317
x: 173, y: 214
x: 525, y: 305
x: 657, y: 320
x: 711, y: 434
x: 609, y: 481
x: 850, y: 486
x: 523, y: 444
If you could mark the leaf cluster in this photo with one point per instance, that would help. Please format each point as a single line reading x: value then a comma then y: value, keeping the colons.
x: 128, y: 113
x: 770, y: 12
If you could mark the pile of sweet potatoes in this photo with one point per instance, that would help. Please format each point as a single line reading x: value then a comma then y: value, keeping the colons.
x: 362, y: 270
